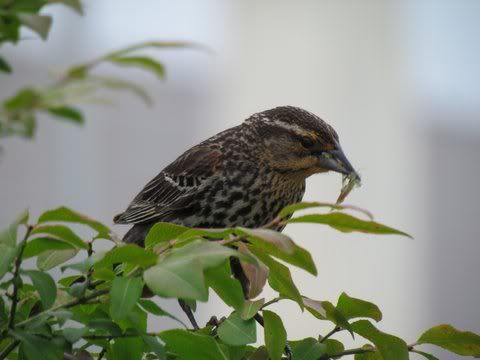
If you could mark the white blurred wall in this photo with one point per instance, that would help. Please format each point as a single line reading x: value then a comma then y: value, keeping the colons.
x: 396, y: 79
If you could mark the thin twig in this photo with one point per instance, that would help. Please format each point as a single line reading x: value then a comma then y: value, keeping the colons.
x: 9, y: 349
x: 346, y: 352
x: 333, y: 332
x: 16, y: 278
x: 273, y: 301
x: 83, y: 300
x: 357, y: 351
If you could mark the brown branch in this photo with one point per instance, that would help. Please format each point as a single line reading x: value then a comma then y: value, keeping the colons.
x: 16, y: 278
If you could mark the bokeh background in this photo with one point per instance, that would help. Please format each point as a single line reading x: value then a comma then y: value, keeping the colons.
x: 400, y: 81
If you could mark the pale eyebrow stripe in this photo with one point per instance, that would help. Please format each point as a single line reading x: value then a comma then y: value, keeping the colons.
x: 290, y: 127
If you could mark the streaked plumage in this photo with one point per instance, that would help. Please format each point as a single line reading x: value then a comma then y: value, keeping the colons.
x: 242, y: 176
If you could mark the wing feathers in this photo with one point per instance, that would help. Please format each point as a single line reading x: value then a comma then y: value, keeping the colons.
x: 174, y: 187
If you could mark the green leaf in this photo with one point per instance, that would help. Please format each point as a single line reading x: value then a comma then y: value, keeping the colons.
x: 153, y: 45
x: 447, y: 337
x: 69, y: 280
x: 279, y: 277
x: 62, y: 315
x: 333, y: 346
x: 268, y: 239
x: 63, y: 214
x: 280, y: 246
x: 8, y: 237
x: 106, y: 325
x: 325, y: 310
x: 76, y: 5
x: 425, y: 355
x: 85, y: 265
x: 72, y: 335
x: 290, y: 209
x: 352, y: 308
x: 181, y: 275
x: 234, y: 352
x: 136, y: 319
x: 250, y: 308
x: 347, y: 223
x: 7, y: 258
x: 225, y: 285
x: 117, y: 84
x: 67, y: 112
x: 162, y: 232
x: 62, y: 233
x: 24, y: 99
x: 218, y: 233
x: 177, y: 280
x: 307, y: 349
x: 23, y: 217
x: 371, y: 355
x: 128, y: 348
x: 155, y: 346
x: 275, y: 334
x: 3, y: 314
x: 190, y: 346
x: 104, y: 274
x: 389, y: 346
x: 39, y: 245
x: 154, y: 309
x: 207, y: 253
x: 236, y: 331
x: 49, y: 259
x: 45, y: 286
x: 39, y: 23
x: 128, y: 253
x: 38, y: 348
x: 5, y: 66
x: 124, y: 294
x: 78, y: 289
x: 143, y: 62
x: 8, y: 243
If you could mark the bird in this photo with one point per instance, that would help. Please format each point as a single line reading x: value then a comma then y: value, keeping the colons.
x: 242, y: 176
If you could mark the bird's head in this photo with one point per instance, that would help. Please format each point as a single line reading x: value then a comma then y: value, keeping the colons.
x: 295, y: 141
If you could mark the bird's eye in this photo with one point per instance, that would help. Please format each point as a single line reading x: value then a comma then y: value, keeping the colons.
x: 307, y: 143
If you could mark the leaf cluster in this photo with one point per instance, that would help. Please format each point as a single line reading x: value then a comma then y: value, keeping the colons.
x: 76, y: 85
x: 100, y: 306
x: 17, y: 13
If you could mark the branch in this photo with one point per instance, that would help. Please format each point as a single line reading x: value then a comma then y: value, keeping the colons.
x: 67, y: 305
x: 273, y: 301
x: 346, y: 352
x: 9, y: 349
x: 16, y: 278
x: 356, y: 351
x: 333, y: 332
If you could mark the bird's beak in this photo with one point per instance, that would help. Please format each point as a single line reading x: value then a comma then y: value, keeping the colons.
x: 335, y: 160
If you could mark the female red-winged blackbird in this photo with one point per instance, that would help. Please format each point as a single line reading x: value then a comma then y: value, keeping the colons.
x: 242, y: 176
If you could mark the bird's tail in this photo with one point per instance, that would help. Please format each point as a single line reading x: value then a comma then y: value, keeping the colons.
x: 137, y: 234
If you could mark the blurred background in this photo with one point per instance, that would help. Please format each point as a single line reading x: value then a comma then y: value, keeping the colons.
x: 400, y: 81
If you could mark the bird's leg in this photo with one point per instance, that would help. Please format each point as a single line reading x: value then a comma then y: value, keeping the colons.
x: 188, y: 311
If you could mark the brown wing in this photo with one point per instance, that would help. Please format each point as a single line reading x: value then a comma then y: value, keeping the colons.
x: 174, y: 187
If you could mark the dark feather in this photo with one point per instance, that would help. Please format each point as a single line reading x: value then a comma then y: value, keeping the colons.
x: 174, y: 187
